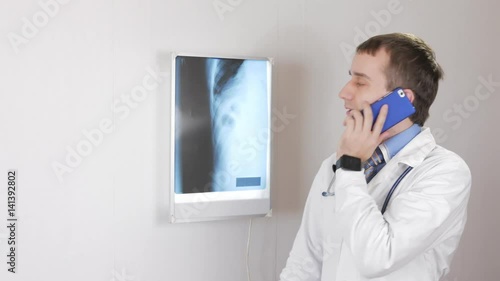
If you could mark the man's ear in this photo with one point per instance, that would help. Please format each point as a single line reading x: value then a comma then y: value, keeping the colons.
x: 410, y: 94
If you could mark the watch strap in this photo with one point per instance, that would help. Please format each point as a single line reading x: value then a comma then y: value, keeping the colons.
x: 349, y: 163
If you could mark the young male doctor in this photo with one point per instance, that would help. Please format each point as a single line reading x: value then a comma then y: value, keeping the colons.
x: 395, y: 207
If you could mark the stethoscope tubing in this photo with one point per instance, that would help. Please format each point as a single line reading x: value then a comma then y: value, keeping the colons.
x: 387, y: 198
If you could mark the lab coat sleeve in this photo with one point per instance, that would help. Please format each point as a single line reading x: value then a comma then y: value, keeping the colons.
x: 305, y: 260
x: 416, y: 219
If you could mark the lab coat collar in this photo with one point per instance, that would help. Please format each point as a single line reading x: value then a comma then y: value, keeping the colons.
x: 414, y: 153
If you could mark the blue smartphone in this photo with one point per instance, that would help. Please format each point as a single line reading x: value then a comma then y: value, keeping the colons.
x: 400, y: 108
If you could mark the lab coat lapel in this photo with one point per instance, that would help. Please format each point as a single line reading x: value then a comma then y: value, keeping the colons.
x: 413, y: 154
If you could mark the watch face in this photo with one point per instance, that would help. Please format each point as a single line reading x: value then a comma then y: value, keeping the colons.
x: 351, y: 162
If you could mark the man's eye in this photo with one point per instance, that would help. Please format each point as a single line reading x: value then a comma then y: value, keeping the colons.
x: 359, y: 84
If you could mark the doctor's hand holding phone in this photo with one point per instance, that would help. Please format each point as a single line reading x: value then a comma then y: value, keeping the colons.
x: 365, y: 131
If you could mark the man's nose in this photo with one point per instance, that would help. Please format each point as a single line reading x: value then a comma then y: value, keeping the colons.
x: 345, y: 93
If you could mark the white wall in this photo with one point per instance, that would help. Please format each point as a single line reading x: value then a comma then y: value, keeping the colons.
x: 108, y: 216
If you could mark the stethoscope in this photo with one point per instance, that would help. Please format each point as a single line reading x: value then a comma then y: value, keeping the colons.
x: 328, y: 192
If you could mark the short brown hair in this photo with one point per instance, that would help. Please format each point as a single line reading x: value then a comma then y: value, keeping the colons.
x: 412, y: 65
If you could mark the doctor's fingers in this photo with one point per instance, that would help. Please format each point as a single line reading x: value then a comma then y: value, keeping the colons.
x: 367, y: 116
x: 379, y: 123
x: 349, y: 124
x: 358, y: 120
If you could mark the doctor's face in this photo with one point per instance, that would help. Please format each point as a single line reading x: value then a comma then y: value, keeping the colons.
x: 368, y: 80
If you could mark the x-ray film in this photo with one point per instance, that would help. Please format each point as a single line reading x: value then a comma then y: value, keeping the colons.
x: 222, y: 121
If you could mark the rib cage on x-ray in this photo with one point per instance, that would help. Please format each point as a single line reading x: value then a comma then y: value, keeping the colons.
x: 224, y: 108
x: 224, y: 124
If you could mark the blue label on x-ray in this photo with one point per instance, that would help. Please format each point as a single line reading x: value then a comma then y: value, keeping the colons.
x: 247, y: 181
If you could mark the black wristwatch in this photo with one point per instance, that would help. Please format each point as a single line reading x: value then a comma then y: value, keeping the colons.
x: 349, y: 163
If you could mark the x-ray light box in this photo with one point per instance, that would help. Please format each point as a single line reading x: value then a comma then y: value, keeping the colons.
x: 221, y: 137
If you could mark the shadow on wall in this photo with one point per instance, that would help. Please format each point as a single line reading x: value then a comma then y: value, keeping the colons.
x: 162, y: 141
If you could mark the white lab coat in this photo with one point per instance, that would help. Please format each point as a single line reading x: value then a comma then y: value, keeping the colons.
x: 346, y: 238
